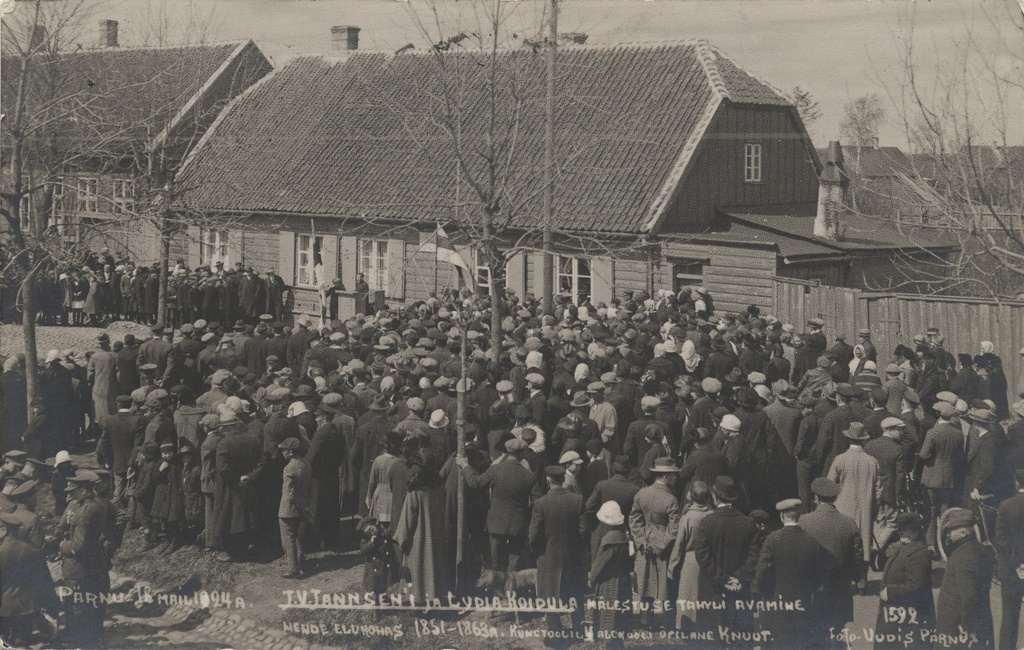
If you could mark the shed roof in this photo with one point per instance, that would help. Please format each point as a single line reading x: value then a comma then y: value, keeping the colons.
x: 365, y: 135
x: 862, y: 235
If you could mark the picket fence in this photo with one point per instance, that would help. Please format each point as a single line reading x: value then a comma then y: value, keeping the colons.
x: 895, y: 318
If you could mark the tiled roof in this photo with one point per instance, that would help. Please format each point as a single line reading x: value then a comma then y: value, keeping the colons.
x: 362, y: 135
x: 862, y: 234
x: 875, y: 162
x: 116, y: 97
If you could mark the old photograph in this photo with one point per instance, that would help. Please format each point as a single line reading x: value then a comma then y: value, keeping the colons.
x: 512, y: 324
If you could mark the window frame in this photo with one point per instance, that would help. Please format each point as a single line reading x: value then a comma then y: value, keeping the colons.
x: 481, y: 274
x: 123, y: 202
x: 753, y: 158
x: 213, y: 247
x: 306, y: 246
x: 87, y: 201
x: 680, y: 280
x: 574, y: 277
x: 376, y: 278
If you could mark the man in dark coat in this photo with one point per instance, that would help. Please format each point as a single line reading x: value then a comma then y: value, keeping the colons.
x: 792, y: 566
x: 839, y: 535
x: 128, y: 367
x: 830, y: 440
x: 943, y: 456
x: 618, y: 488
x: 274, y: 295
x: 237, y: 455
x: 963, y: 604
x: 509, y: 514
x: 328, y: 453
x: 156, y: 350
x: 1009, y: 543
x: 557, y: 529
x: 117, y: 440
x: 705, y: 463
x: 722, y: 546
x: 371, y: 430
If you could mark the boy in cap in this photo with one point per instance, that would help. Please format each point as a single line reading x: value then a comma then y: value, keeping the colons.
x: 295, y: 504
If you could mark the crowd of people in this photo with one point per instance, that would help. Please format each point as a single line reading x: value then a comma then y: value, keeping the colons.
x: 100, y: 290
x: 650, y: 458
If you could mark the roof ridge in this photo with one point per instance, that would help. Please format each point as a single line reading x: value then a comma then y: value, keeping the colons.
x: 141, y: 48
x: 718, y: 53
x: 707, y: 55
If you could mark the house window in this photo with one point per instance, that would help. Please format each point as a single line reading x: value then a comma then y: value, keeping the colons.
x: 483, y: 272
x: 124, y: 196
x: 686, y: 273
x: 88, y: 194
x: 308, y: 261
x: 373, y: 263
x: 752, y: 163
x: 574, y: 277
x: 213, y: 247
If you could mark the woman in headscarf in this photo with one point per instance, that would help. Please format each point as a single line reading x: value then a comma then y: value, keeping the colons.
x: 581, y: 376
x: 690, y: 357
x: 857, y: 362
x: 997, y: 384
x: 421, y: 532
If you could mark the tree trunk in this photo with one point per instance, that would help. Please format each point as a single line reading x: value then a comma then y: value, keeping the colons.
x: 165, y: 259
x: 28, y: 332
x: 460, y: 425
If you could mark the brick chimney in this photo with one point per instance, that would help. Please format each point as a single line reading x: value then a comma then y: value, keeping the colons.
x: 833, y: 189
x: 108, y: 33
x: 344, y: 37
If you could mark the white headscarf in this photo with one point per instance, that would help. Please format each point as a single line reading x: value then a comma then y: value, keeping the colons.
x: 582, y: 372
x: 987, y: 347
x: 689, y: 355
x: 855, y: 361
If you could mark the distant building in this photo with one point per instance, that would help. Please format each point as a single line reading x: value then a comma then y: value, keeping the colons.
x: 108, y: 113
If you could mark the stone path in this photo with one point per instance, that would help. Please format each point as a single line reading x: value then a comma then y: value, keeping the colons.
x: 51, y: 337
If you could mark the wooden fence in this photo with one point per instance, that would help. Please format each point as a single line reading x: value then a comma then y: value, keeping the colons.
x: 895, y: 318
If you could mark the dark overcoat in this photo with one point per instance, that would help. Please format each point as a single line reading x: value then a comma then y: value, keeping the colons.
x: 964, y: 596
x: 556, y: 537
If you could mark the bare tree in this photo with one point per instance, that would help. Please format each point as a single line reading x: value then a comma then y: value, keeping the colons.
x: 862, y: 118
x: 805, y: 103
x: 961, y: 117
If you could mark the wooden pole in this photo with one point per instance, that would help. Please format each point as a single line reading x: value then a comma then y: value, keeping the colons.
x: 460, y: 424
x: 549, y: 160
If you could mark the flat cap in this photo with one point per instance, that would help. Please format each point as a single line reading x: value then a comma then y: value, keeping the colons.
x: 946, y: 396
x: 945, y: 409
x: 730, y: 423
x: 649, y: 402
x: 536, y: 379
x: 554, y: 470
x: 893, y: 423
x: 789, y: 504
x: 289, y: 443
x: 824, y: 487
x: 892, y: 369
x: 711, y: 385
x: 514, y: 445
x: 504, y: 386
x: 957, y: 518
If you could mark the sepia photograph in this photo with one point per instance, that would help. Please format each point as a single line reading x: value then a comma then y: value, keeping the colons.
x: 512, y: 324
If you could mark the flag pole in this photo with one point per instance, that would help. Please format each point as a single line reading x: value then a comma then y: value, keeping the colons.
x: 437, y: 242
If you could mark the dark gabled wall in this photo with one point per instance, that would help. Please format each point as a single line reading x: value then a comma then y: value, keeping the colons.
x: 716, y: 174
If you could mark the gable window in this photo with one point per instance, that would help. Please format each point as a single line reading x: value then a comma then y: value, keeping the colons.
x: 87, y: 190
x: 307, y: 258
x: 686, y: 273
x: 574, y: 277
x: 373, y: 263
x: 213, y: 247
x: 124, y: 196
x: 752, y: 162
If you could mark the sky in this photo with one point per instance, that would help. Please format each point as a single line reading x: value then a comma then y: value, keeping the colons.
x: 835, y: 49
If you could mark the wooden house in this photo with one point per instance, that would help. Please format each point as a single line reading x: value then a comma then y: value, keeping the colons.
x: 675, y: 167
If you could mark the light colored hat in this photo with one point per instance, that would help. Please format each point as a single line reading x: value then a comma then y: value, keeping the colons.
x: 52, y: 355
x: 570, y: 457
x: 438, y: 419
x: 649, y: 402
x: 297, y: 408
x: 893, y: 423
x: 730, y: 423
x: 611, y: 514
x: 62, y: 457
